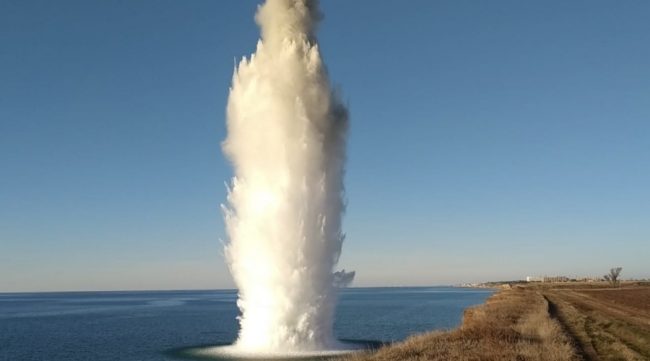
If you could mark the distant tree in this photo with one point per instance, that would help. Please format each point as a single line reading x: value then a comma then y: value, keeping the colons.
x: 612, y: 276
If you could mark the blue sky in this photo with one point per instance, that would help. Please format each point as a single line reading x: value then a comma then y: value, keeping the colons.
x: 489, y: 140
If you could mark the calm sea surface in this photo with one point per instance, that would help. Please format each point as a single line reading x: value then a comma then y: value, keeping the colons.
x: 155, y: 325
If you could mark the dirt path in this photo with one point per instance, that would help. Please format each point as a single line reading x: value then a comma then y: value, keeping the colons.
x: 608, y: 324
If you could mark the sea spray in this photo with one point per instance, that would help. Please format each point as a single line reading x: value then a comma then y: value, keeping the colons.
x: 286, y: 141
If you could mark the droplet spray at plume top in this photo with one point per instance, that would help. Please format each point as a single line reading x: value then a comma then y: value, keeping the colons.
x: 286, y: 141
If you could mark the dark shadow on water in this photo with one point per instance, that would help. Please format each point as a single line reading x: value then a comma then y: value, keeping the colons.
x: 193, y: 352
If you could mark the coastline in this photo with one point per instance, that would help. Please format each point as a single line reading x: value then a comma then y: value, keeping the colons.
x: 538, y: 322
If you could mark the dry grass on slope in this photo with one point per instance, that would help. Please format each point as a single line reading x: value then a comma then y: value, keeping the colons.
x: 512, y: 325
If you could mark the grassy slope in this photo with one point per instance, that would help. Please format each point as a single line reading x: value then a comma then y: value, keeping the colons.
x: 557, y: 322
x: 512, y: 325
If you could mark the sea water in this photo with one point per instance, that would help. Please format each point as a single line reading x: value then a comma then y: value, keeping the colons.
x: 163, y: 325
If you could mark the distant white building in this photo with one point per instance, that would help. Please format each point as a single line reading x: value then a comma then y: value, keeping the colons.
x: 534, y: 279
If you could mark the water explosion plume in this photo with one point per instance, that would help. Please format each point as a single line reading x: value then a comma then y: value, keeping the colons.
x: 286, y: 141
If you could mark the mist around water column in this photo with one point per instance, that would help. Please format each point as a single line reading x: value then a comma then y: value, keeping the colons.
x: 286, y: 141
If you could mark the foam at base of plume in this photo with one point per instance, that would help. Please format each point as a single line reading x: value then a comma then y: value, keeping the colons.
x: 231, y: 352
x: 235, y: 352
